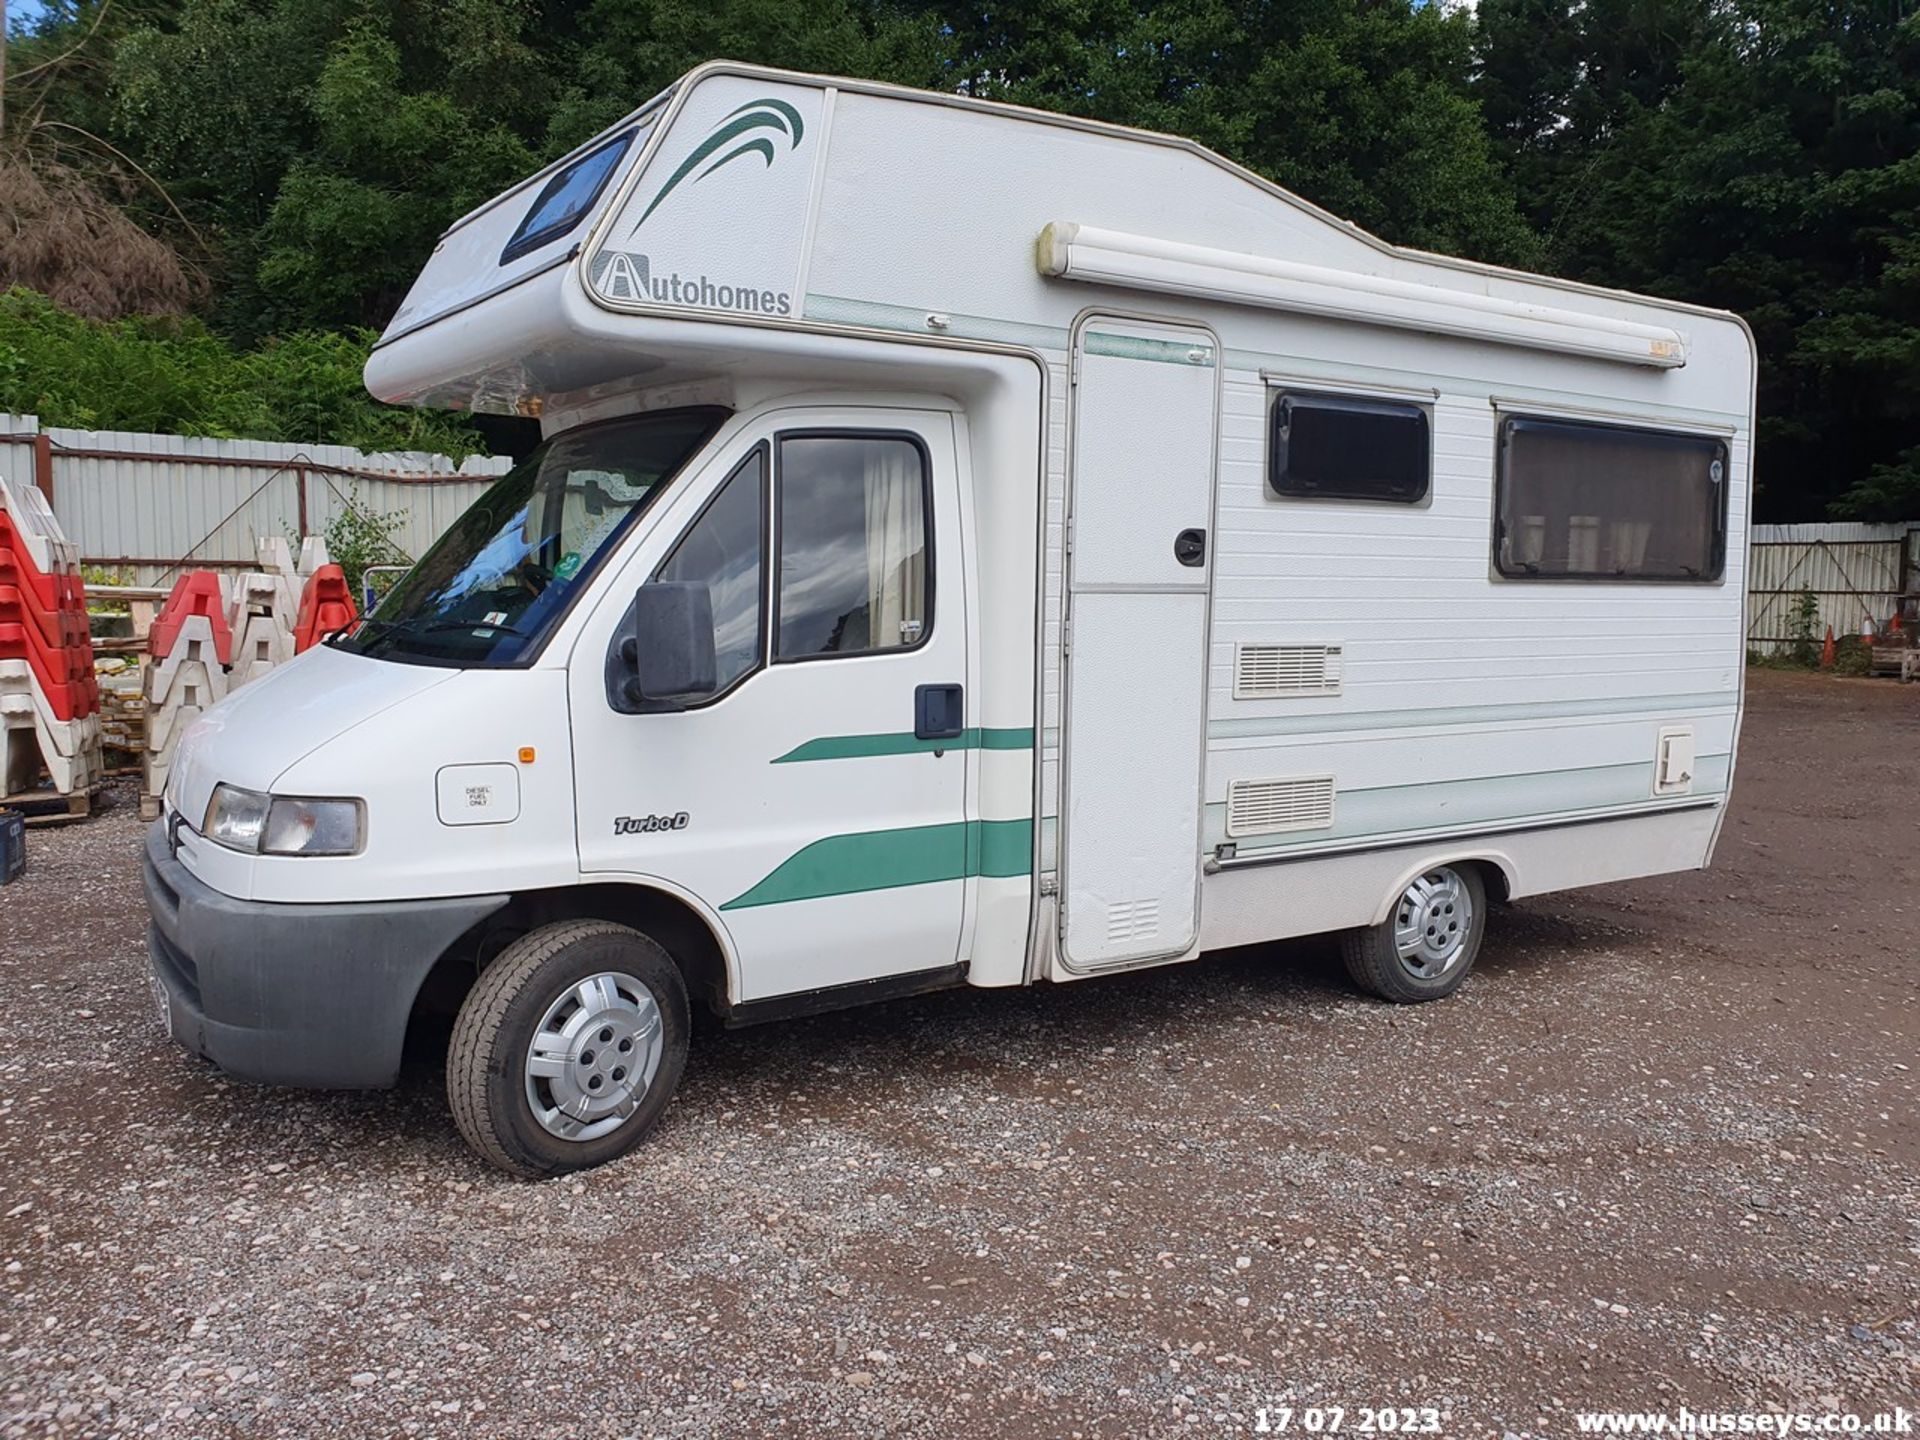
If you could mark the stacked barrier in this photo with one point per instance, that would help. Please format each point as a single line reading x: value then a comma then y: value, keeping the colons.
x: 213, y: 636
x: 326, y: 607
x: 49, y: 699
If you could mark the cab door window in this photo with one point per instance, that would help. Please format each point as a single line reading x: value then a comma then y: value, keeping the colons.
x: 723, y: 551
x: 855, y: 572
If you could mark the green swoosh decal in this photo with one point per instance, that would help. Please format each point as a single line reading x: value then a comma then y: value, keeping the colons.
x: 754, y: 115
x: 793, y: 115
x: 889, y: 859
x: 761, y: 146
x: 903, y: 742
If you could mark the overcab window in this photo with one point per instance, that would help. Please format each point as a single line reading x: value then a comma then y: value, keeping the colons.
x: 1584, y: 501
x: 565, y: 198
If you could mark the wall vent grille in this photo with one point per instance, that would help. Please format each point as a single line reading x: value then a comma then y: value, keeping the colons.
x: 1265, y: 672
x: 1268, y: 807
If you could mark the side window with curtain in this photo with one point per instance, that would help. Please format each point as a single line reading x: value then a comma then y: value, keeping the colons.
x: 722, y: 550
x: 854, y: 576
x: 1583, y: 501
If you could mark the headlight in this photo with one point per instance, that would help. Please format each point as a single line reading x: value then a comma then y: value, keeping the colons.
x: 313, y: 827
x: 257, y: 824
x: 236, y: 818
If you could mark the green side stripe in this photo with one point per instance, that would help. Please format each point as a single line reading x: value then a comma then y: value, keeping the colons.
x: 903, y: 742
x: 889, y: 859
x: 1142, y: 347
x: 1329, y: 722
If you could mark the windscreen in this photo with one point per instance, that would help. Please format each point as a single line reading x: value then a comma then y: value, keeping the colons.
x: 497, y: 582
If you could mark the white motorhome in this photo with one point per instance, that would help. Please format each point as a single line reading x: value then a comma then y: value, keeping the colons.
x: 971, y: 546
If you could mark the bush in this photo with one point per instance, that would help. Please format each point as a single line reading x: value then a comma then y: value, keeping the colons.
x: 175, y: 377
x: 1803, y: 630
x: 358, y: 537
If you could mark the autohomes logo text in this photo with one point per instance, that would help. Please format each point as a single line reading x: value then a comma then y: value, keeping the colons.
x: 623, y: 275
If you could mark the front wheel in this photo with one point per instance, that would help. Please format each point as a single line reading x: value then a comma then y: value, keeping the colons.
x: 568, y: 1048
x: 1427, y: 944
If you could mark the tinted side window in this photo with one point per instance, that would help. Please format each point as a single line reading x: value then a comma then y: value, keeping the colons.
x: 1334, y: 447
x: 722, y: 550
x: 853, y: 545
x: 1580, y: 501
x: 565, y: 198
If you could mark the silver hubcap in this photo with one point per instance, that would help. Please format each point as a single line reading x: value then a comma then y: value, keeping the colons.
x: 593, y: 1056
x: 1432, y: 923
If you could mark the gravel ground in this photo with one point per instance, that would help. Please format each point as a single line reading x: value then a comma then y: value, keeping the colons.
x: 1661, y: 1151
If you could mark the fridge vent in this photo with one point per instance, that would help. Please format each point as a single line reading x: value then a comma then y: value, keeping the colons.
x: 1262, y: 672
x: 1267, y: 807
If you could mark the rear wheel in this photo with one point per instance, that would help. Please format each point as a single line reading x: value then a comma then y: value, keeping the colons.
x: 1427, y: 944
x: 568, y: 1048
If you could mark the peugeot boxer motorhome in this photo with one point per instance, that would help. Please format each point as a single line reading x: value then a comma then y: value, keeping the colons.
x: 970, y: 546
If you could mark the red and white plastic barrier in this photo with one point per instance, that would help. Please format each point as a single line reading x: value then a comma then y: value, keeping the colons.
x: 214, y: 635
x: 49, y: 699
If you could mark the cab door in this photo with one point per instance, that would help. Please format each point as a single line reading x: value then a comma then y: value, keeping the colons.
x: 815, y: 802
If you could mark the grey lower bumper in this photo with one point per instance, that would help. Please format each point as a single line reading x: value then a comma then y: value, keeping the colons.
x: 310, y: 995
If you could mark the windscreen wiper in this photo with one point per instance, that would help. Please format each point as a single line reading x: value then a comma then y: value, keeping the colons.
x: 495, y: 626
x: 366, y: 623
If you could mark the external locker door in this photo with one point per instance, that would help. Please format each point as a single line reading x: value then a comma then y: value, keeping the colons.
x: 1145, y: 409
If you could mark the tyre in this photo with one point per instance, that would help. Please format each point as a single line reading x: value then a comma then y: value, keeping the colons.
x: 568, y: 1048
x: 1427, y: 944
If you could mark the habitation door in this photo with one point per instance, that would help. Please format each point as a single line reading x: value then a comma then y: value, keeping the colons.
x: 1140, y: 553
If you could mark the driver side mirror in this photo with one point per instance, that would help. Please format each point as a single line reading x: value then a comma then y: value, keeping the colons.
x: 665, y: 655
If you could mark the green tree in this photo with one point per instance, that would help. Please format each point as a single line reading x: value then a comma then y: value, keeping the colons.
x: 1767, y: 160
x: 1365, y: 109
x: 325, y: 144
x: 175, y: 376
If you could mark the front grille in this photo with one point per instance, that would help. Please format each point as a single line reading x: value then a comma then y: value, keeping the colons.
x: 176, y: 965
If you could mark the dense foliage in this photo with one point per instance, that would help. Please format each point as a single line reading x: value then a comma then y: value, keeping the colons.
x: 175, y: 376
x: 1762, y: 155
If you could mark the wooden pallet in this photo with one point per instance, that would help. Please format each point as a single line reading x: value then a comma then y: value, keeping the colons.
x: 1892, y: 660
x: 42, y: 808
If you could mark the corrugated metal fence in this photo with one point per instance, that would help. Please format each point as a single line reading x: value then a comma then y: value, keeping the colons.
x: 158, y: 504
x: 1853, y: 571
x: 155, y: 505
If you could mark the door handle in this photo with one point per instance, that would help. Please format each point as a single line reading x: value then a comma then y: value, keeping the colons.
x: 939, y: 712
x: 1190, y: 547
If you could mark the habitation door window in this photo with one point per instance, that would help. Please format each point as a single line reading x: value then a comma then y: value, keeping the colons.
x: 854, y: 572
x: 1584, y: 501
x: 1336, y: 447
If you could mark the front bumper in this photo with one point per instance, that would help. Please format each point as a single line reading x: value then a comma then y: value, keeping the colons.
x: 309, y: 995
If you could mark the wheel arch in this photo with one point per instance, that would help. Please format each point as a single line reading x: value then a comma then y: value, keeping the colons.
x: 1496, y: 868
x: 680, y: 922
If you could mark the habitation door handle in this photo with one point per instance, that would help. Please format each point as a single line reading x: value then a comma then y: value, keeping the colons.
x: 939, y: 712
x: 1190, y: 547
